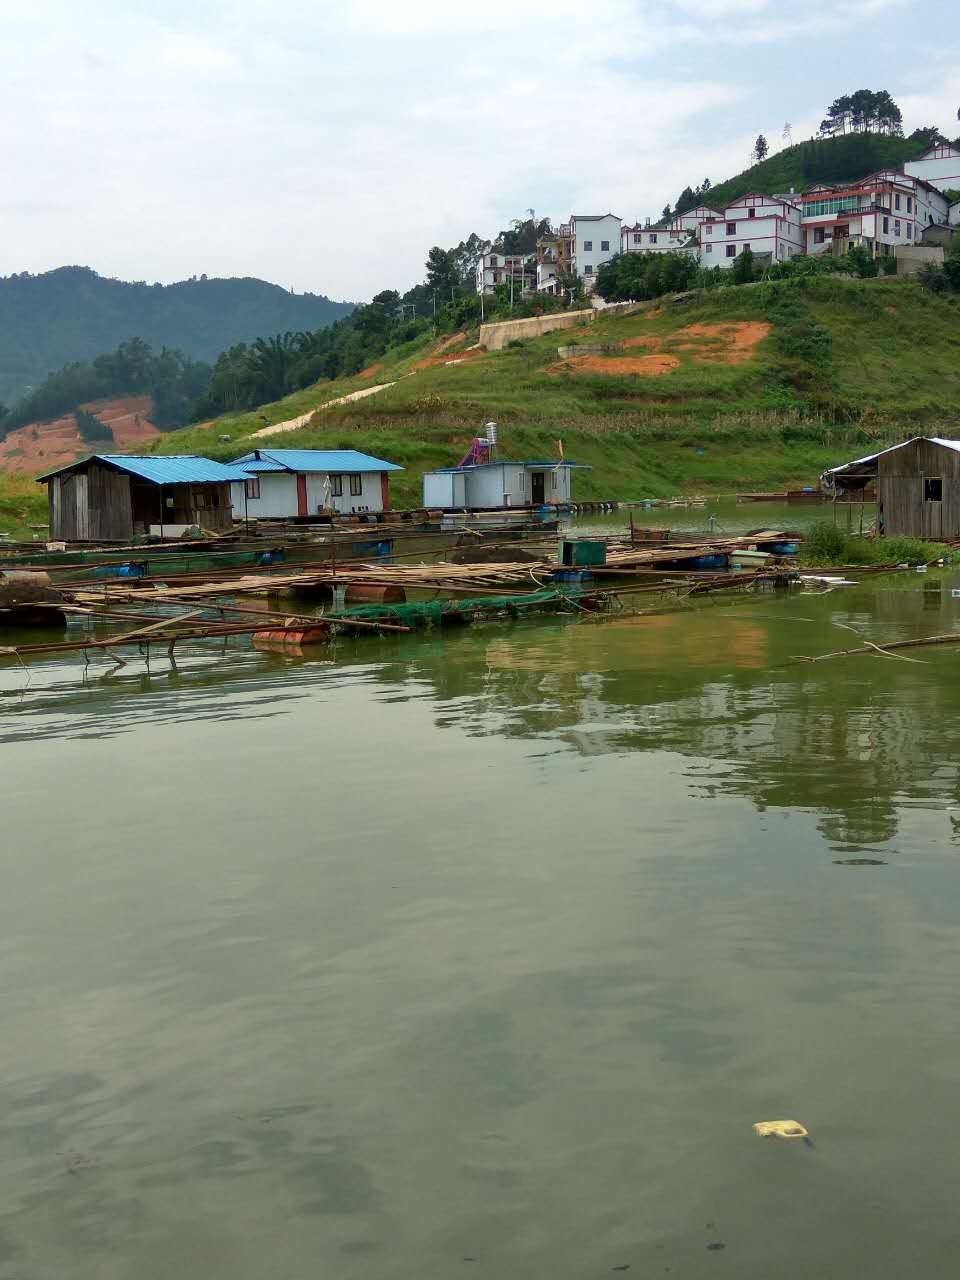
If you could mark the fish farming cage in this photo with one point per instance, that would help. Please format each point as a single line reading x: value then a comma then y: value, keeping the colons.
x: 424, y: 614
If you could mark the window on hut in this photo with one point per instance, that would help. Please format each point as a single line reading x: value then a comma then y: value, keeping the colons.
x: 933, y: 489
x: 356, y: 486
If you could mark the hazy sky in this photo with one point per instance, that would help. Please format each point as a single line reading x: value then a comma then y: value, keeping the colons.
x: 326, y: 146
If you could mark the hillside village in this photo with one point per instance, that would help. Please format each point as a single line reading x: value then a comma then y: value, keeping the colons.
x: 902, y: 214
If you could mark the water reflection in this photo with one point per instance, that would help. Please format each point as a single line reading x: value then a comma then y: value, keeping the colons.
x: 487, y: 945
x: 854, y: 740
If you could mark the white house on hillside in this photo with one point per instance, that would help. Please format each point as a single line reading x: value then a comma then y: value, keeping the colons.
x: 674, y: 235
x: 940, y: 166
x: 496, y: 267
x: 882, y: 211
x: 770, y: 226
x: 589, y: 240
x: 767, y: 225
x: 285, y: 483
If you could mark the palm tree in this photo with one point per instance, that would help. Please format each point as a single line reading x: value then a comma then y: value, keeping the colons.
x: 270, y: 360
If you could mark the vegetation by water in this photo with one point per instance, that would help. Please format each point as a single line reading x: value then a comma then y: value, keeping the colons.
x: 827, y: 544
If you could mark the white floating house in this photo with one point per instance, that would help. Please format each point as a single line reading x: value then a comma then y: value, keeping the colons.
x: 492, y: 486
x: 284, y: 483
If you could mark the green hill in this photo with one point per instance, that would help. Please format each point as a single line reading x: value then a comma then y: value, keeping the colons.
x: 71, y: 314
x: 762, y: 385
x: 842, y: 159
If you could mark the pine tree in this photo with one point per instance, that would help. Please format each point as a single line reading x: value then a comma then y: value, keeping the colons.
x: 761, y: 149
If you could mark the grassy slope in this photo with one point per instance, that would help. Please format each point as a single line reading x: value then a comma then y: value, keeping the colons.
x: 895, y: 369
x: 22, y: 502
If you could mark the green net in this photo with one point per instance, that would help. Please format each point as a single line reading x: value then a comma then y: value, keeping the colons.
x: 420, y: 614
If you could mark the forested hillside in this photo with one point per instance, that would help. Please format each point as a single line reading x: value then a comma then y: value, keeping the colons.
x: 73, y: 314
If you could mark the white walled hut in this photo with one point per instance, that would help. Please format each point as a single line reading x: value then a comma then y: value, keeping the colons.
x: 112, y: 497
x: 493, y: 486
x: 917, y: 484
x: 290, y: 483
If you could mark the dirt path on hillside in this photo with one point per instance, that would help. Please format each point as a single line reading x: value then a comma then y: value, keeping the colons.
x: 294, y: 424
x: 642, y: 366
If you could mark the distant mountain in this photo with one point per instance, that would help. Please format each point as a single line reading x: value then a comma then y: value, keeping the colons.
x: 72, y: 314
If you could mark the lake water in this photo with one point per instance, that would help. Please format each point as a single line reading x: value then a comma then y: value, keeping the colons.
x: 481, y: 953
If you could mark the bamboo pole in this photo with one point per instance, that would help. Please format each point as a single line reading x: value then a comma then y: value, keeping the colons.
x: 953, y: 638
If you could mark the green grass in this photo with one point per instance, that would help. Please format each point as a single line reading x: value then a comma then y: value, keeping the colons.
x: 847, y: 365
x: 825, y: 544
x: 22, y: 502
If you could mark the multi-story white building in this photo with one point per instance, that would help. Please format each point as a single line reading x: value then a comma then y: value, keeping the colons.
x: 588, y: 241
x: 940, y: 167
x: 549, y: 262
x: 769, y: 226
x: 496, y: 267
x: 882, y: 211
x: 678, y: 234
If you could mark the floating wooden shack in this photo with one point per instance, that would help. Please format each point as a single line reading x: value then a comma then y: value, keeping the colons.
x: 111, y: 496
x: 918, y: 487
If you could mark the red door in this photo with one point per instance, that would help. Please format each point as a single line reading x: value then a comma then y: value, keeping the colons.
x: 301, y: 495
x: 385, y: 490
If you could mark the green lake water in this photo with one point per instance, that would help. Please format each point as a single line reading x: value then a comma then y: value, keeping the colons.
x: 480, y: 953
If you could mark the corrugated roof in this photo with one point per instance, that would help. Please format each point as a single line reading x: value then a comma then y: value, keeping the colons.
x: 872, y: 457
x: 257, y: 466
x: 176, y: 468
x: 320, y: 460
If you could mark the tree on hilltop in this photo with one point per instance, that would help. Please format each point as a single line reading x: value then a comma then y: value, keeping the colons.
x: 761, y: 149
x: 865, y: 111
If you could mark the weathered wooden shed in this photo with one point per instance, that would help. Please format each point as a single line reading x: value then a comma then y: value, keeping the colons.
x: 918, y: 486
x: 111, y: 496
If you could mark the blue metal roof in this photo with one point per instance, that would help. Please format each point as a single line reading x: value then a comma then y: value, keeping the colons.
x: 257, y: 466
x: 319, y: 460
x: 175, y: 468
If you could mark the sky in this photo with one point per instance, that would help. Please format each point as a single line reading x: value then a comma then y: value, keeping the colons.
x: 326, y: 146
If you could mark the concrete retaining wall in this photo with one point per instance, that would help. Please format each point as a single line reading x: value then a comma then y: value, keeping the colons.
x: 494, y: 337
x: 911, y: 257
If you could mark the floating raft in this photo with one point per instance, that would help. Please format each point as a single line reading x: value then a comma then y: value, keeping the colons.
x: 420, y: 615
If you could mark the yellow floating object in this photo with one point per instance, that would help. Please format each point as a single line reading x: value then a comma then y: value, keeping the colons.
x: 779, y: 1129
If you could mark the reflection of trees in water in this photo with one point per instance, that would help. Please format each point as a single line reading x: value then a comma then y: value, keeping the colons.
x: 849, y: 741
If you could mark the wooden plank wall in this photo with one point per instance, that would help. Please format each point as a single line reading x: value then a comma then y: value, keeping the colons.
x: 89, y: 505
x: 900, y: 485
x: 109, y: 511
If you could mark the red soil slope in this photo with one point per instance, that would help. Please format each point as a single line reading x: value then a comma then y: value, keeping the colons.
x: 42, y: 446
